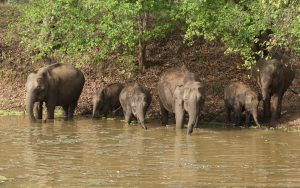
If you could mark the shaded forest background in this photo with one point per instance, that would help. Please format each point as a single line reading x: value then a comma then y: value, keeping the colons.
x: 121, y: 40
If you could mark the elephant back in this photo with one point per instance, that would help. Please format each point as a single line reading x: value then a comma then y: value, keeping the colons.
x: 113, y: 90
x: 67, y: 81
x: 175, y: 77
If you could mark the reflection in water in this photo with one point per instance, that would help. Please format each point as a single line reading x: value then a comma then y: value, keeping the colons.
x: 88, y: 152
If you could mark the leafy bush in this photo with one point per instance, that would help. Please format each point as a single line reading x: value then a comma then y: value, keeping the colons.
x: 119, y: 28
x: 241, y: 23
x: 99, y: 28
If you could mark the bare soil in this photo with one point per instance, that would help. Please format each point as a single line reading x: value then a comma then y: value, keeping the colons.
x: 206, y: 59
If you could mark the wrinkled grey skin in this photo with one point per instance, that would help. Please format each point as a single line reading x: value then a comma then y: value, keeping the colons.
x: 179, y: 92
x: 107, y: 99
x: 238, y: 97
x: 56, y: 85
x: 135, y: 100
x: 273, y: 77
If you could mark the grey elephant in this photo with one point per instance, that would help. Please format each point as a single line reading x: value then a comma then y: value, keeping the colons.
x: 56, y: 85
x: 273, y: 77
x: 135, y: 100
x: 239, y: 97
x: 179, y: 92
x: 107, y: 99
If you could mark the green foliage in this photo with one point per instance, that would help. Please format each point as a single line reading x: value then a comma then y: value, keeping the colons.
x: 114, y: 29
x: 95, y: 27
x: 239, y: 23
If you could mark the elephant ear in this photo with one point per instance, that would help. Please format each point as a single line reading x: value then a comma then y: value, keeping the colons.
x: 250, y: 99
x: 50, y: 80
x: 240, y: 98
x: 186, y: 93
x: 178, y: 90
x: 30, y: 78
x: 194, y: 88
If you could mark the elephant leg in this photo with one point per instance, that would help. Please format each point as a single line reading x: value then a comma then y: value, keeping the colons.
x: 278, y: 115
x: 248, y: 119
x: 71, y: 111
x: 275, y: 108
x: 39, y: 110
x: 50, y: 110
x: 105, y: 114
x: 119, y: 112
x: 237, y: 113
x: 164, y: 114
x: 197, y: 122
x: 179, y: 116
x: 66, y: 111
x: 128, y: 115
x: 266, y: 108
x: 228, y: 111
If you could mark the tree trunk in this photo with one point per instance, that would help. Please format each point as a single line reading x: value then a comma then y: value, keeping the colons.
x: 142, y: 55
x: 142, y: 43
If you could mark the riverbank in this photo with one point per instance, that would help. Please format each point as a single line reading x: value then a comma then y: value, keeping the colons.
x: 206, y: 59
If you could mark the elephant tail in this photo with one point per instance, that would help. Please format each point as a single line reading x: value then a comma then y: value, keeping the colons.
x: 114, y: 111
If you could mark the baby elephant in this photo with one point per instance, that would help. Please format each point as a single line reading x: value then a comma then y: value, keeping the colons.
x: 238, y: 97
x: 107, y: 99
x: 135, y: 100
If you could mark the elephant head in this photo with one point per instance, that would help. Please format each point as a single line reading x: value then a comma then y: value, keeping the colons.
x: 268, y: 75
x: 37, y: 87
x: 98, y: 102
x: 265, y: 85
x: 190, y: 98
x: 139, y: 106
x: 251, y: 100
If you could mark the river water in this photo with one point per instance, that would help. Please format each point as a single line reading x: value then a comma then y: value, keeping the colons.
x: 105, y: 153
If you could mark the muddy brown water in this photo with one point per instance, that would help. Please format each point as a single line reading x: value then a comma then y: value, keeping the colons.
x: 103, y: 153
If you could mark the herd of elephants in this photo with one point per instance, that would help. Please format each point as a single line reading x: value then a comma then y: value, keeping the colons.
x: 179, y: 91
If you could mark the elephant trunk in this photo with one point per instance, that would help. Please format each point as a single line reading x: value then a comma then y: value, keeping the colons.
x: 254, y: 114
x: 141, y: 117
x: 94, y: 109
x: 193, y: 119
x: 265, y: 94
x: 30, y: 100
x: 265, y: 85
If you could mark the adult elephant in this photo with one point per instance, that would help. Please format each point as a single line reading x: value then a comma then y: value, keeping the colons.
x: 179, y: 92
x: 56, y: 85
x: 273, y: 77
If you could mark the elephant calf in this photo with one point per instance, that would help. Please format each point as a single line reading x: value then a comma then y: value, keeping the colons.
x: 56, y: 85
x: 107, y: 99
x: 135, y: 100
x: 238, y: 97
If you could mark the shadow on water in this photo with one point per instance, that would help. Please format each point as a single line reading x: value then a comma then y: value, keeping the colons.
x: 85, y: 152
